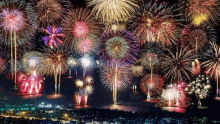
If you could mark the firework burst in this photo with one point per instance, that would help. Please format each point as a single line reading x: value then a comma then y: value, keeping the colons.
x: 177, y: 64
x: 151, y: 54
x: 201, y: 11
x: 53, y: 38
x: 197, y: 38
x: 17, y: 23
x: 81, y: 30
x: 109, y: 73
x: 120, y: 46
x: 112, y: 10
x: 152, y: 84
x: 137, y: 70
x: 154, y: 22
x: 50, y: 12
x: 55, y: 63
x: 212, y: 62
x: 200, y: 87
x: 33, y: 61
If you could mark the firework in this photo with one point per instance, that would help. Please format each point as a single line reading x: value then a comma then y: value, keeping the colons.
x: 137, y: 70
x: 151, y: 55
x: 89, y: 79
x: 196, y: 69
x: 200, y: 87
x: 30, y: 84
x: 55, y: 63
x: 2, y: 65
x: 177, y: 64
x: 197, y: 37
x: 33, y: 61
x: 50, y: 12
x: 120, y: 46
x: 53, y: 38
x: 71, y: 62
x: 17, y: 26
x: 89, y: 89
x: 112, y: 10
x: 81, y: 30
x: 151, y: 84
x: 85, y: 46
x: 17, y: 23
x: 201, y: 11
x: 174, y: 95
x: 115, y: 76
x: 154, y: 22
x: 212, y: 63
x: 78, y: 98
x: 79, y: 83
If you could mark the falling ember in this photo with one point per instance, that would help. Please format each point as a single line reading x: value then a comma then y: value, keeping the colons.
x: 80, y: 29
x: 30, y: 84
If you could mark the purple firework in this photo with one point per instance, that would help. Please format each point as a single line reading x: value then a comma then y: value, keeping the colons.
x: 52, y: 39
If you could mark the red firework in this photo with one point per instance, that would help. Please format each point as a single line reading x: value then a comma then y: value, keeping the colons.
x: 154, y: 84
x: 85, y: 45
x: 30, y: 84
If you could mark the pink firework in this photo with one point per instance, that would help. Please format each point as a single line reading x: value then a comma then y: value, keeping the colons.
x: 53, y: 39
x: 80, y: 29
x: 85, y: 46
x: 12, y: 20
x: 30, y: 83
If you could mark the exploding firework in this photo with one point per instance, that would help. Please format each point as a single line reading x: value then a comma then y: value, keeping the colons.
x: 85, y: 46
x: 55, y: 63
x: 50, y: 12
x: 89, y: 89
x: 33, y: 61
x: 137, y: 70
x: 53, y: 38
x: 17, y: 26
x: 174, y: 95
x: 79, y: 83
x: 120, y: 46
x: 151, y: 84
x: 151, y: 54
x: 115, y: 75
x: 112, y: 10
x: 201, y: 11
x: 30, y: 84
x: 109, y: 74
x: 200, y: 87
x: 154, y: 22
x: 197, y: 37
x: 212, y: 63
x: 81, y: 30
x: 89, y: 79
x: 177, y: 64
x: 72, y: 63
x: 17, y: 23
